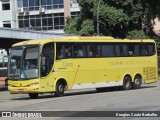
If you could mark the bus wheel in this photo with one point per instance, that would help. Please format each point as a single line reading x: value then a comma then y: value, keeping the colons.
x: 6, y: 82
x: 137, y: 83
x: 33, y: 95
x: 126, y: 83
x: 59, y: 89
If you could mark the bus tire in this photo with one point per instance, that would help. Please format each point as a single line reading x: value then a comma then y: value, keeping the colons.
x: 33, y: 95
x: 126, y: 83
x: 6, y: 82
x: 59, y: 89
x: 137, y: 82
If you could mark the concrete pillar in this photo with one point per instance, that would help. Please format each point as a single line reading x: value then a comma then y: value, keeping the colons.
x: 13, y: 10
x: 67, y: 12
x: 1, y: 24
x: 0, y: 5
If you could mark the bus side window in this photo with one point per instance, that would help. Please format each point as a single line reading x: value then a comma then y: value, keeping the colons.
x: 124, y: 50
x: 80, y: 53
x: 89, y: 52
x: 68, y: 50
x: 48, y: 55
x: 151, y: 50
x: 137, y: 50
x: 117, y: 50
x: 144, y: 50
x: 92, y: 50
x: 131, y: 48
x: 59, y: 51
x: 107, y: 50
x: 80, y: 50
x: 98, y: 51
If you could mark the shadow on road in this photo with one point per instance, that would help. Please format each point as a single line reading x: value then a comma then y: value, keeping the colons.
x: 72, y: 93
x: 39, y: 97
x: 3, y: 88
x: 109, y: 89
x: 145, y: 87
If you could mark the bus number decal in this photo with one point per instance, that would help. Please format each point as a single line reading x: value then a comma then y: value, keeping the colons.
x: 66, y: 64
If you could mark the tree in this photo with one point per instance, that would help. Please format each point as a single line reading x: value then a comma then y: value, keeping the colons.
x: 87, y: 28
x: 71, y: 26
x: 117, y: 18
x: 74, y: 26
x: 138, y: 34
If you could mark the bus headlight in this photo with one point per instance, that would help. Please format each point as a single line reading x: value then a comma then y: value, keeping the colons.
x: 34, y: 84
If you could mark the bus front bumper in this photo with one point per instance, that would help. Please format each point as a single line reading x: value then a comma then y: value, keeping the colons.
x: 23, y: 90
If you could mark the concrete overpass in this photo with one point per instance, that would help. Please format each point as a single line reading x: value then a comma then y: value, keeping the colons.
x: 9, y: 36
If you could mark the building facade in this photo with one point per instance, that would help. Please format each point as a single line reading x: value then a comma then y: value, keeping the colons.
x: 7, y: 13
x: 157, y: 26
x: 39, y: 15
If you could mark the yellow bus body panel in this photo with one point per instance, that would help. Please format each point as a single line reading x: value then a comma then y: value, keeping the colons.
x: 89, y: 72
x: 23, y: 86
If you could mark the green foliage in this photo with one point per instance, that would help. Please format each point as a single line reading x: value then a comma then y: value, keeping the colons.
x: 87, y: 28
x: 71, y: 26
x: 136, y: 34
x: 158, y: 48
x: 118, y: 18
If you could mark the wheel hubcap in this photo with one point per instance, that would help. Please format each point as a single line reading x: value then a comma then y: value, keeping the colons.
x: 61, y: 88
x: 137, y: 82
x: 127, y: 84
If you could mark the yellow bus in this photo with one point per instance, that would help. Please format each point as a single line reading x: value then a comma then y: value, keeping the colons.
x: 57, y: 65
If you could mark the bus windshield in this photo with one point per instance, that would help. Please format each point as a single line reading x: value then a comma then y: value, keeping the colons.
x: 24, y: 62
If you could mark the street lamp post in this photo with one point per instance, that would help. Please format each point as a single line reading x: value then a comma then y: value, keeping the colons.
x: 98, y: 18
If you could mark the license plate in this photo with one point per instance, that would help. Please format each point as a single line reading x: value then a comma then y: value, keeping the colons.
x: 20, y: 90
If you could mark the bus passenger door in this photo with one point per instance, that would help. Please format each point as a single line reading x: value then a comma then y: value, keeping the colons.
x: 47, y: 60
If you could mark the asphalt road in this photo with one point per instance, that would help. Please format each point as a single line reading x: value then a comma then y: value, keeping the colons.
x: 145, y: 99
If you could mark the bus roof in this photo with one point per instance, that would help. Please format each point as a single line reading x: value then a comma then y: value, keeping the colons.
x: 80, y: 39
